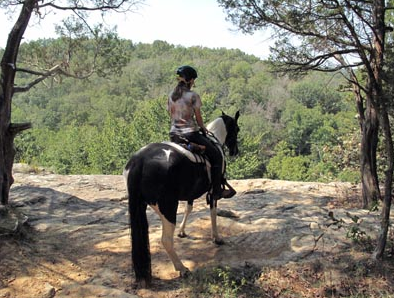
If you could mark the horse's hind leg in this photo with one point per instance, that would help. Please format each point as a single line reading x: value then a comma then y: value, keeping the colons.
x: 167, y: 239
x: 188, y: 210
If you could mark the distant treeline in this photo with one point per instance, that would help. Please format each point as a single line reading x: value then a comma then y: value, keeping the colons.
x: 291, y: 128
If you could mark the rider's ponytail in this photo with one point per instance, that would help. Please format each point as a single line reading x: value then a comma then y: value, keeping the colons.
x: 179, y: 89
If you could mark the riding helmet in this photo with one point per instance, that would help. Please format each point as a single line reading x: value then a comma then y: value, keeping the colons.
x: 187, y: 72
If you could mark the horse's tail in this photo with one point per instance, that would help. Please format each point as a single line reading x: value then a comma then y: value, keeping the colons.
x: 140, y: 250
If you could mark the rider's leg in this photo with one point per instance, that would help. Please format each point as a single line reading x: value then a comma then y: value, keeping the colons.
x: 216, y: 159
x: 216, y: 176
x: 218, y: 190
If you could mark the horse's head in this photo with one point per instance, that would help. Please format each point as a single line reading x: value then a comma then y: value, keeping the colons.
x: 232, y: 132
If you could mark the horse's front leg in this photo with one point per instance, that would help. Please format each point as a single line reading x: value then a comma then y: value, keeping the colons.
x: 215, y: 235
x: 188, y: 210
x: 167, y: 239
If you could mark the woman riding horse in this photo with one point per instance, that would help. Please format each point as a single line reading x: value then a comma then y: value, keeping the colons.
x: 186, y: 123
x: 161, y: 175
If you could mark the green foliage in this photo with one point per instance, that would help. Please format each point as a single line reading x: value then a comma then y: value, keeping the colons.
x: 249, y: 162
x: 322, y: 139
x: 354, y: 230
x: 217, y: 282
x: 319, y: 92
x: 349, y: 175
x: 66, y: 150
x: 93, y: 126
x: 301, y: 123
x: 342, y: 152
x: 109, y: 149
x: 151, y: 122
x: 31, y: 145
x: 286, y: 166
x: 322, y: 171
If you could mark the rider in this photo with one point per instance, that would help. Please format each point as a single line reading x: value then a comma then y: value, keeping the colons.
x: 186, y: 122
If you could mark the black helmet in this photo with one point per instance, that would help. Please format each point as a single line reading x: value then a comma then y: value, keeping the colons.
x: 187, y: 72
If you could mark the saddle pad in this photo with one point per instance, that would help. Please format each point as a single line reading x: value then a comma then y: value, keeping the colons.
x: 192, y: 156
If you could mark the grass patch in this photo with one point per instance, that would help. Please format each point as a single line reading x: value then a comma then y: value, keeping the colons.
x: 224, y: 282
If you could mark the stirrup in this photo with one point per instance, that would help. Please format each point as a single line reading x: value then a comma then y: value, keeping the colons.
x: 228, y: 193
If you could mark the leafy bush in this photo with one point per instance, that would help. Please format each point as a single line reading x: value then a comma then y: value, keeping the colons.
x: 249, y: 163
x: 66, y: 151
x: 286, y: 166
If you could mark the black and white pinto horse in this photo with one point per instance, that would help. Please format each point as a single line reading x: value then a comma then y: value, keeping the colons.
x: 160, y: 175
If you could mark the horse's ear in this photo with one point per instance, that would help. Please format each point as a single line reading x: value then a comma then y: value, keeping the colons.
x: 236, y: 116
x: 223, y: 114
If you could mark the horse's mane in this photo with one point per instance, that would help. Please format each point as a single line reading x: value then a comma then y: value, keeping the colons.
x: 218, y: 128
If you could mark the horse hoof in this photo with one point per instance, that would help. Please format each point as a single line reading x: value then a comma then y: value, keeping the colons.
x: 218, y: 241
x: 182, y: 235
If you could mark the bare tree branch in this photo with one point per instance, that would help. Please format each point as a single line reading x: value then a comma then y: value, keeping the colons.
x: 16, y: 128
x: 56, y: 70
x: 102, y: 6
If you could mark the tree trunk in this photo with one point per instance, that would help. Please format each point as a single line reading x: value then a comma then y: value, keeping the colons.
x: 376, y: 107
x: 369, y: 143
x: 7, y: 157
x: 8, y: 71
x: 369, y: 129
x: 385, y: 220
x: 377, y: 66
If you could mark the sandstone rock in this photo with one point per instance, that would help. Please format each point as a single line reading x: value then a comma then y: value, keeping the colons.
x: 80, y: 245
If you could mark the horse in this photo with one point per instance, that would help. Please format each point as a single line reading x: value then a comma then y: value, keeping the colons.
x: 160, y: 175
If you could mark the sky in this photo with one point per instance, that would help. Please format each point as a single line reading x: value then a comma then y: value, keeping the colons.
x: 178, y: 22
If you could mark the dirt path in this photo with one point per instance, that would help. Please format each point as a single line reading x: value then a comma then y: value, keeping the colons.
x: 77, y: 243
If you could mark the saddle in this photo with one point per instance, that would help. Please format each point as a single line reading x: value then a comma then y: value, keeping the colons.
x: 184, y: 142
x: 195, y: 156
x: 194, y: 151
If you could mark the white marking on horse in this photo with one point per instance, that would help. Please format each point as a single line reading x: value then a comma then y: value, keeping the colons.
x: 167, y: 153
x: 218, y: 129
x: 125, y: 175
x: 167, y: 239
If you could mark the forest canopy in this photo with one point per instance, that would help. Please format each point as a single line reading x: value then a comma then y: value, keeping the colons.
x: 301, y: 128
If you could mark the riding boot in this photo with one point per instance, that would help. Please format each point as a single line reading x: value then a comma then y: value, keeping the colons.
x: 218, y: 191
x: 227, y: 193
